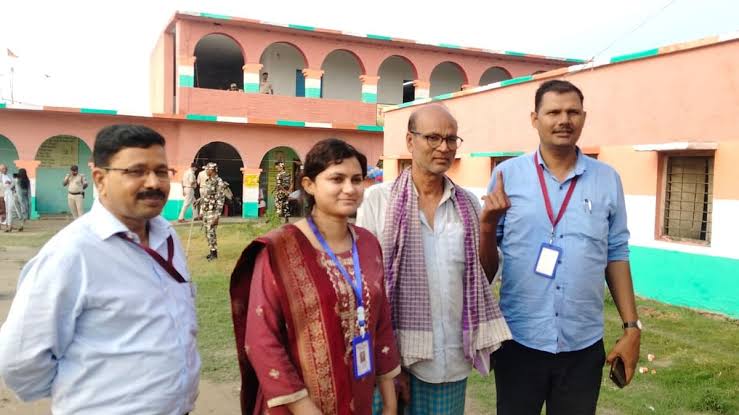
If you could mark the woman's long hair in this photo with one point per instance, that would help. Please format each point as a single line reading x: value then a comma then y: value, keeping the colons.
x: 23, y: 181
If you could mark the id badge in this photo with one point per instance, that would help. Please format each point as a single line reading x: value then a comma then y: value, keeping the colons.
x: 362, y: 351
x: 547, y: 260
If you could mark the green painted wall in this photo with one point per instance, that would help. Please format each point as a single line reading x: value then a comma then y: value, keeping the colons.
x: 8, y: 155
x: 698, y: 281
x: 51, y: 196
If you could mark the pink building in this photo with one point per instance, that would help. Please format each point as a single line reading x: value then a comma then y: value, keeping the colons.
x: 668, y: 120
x: 325, y: 83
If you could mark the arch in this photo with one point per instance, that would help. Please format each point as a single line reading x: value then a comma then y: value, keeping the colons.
x: 8, y: 154
x: 397, y: 74
x: 341, y: 71
x: 493, y: 75
x: 219, y: 62
x: 57, y: 154
x: 447, y: 77
x: 293, y: 165
x: 229, y: 163
x: 284, y: 62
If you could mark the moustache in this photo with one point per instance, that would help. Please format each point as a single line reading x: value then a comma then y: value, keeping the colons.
x: 151, y: 194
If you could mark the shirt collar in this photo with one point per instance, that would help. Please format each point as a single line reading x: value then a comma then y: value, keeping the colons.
x: 580, y: 162
x: 449, y: 190
x: 106, y: 225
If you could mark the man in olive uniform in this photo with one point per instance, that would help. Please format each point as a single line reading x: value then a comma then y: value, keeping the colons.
x: 76, y: 184
x: 212, y: 196
x: 282, y: 191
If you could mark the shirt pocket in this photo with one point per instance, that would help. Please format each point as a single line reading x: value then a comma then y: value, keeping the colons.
x: 454, y: 235
x: 594, y: 223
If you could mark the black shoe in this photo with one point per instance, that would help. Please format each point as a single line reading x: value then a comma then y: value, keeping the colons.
x: 212, y: 255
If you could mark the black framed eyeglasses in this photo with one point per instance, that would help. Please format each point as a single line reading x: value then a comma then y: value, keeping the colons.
x: 163, y: 174
x: 453, y: 142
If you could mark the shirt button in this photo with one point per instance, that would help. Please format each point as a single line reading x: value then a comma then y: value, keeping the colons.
x: 556, y: 314
x: 561, y: 187
x: 558, y: 287
x: 559, y: 262
x: 561, y: 236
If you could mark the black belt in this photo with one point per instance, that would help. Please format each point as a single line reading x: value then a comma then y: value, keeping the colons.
x: 75, y: 194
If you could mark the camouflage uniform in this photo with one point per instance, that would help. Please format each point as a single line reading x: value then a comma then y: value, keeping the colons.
x: 281, y: 194
x: 211, y: 205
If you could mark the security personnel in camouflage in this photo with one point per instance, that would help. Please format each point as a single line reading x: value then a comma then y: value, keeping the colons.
x: 282, y: 191
x: 212, y: 197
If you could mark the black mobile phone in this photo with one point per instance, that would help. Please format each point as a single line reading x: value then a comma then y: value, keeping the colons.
x: 618, y: 372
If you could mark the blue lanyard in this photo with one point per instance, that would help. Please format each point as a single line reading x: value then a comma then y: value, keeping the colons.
x: 356, y: 282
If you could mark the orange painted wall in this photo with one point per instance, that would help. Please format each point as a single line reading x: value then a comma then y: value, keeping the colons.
x: 234, y: 103
x: 27, y: 130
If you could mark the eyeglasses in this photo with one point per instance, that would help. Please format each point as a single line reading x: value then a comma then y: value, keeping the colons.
x: 164, y: 174
x: 453, y: 142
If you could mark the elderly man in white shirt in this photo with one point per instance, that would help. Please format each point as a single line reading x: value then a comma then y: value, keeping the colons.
x: 188, y: 191
x: 103, y: 320
x: 444, y: 314
x: 6, y: 187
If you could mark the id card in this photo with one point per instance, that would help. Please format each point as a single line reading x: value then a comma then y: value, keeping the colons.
x: 361, y: 348
x: 547, y: 260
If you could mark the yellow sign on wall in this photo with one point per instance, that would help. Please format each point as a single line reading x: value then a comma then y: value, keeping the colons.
x: 59, y: 151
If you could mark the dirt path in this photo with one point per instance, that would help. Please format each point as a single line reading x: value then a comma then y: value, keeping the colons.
x: 214, y: 398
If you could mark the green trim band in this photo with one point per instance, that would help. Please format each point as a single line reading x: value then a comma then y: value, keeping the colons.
x: 290, y: 123
x: 215, y: 16
x: 3, y: 105
x: 369, y: 98
x: 512, y: 53
x: 187, y: 81
x: 691, y: 280
x: 301, y: 27
x: 633, y: 56
x: 574, y: 60
x: 201, y: 117
x: 98, y: 111
x: 444, y: 96
x: 254, y: 88
x: 518, y: 80
x: 250, y: 210
x: 449, y: 46
x: 375, y: 128
x: 498, y: 154
x: 312, y: 92
x: 379, y: 37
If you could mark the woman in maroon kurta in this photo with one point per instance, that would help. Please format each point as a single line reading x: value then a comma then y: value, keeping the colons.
x: 295, y: 313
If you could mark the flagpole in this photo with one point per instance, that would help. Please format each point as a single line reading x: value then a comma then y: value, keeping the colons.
x: 12, y: 75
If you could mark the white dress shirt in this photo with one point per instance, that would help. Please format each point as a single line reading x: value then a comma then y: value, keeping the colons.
x: 100, y: 327
x: 443, y: 249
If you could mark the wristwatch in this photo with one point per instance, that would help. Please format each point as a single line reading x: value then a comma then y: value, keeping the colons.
x: 633, y: 325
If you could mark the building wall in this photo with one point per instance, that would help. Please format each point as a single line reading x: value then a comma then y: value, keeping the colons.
x: 26, y: 130
x: 341, y: 73
x: 688, y: 96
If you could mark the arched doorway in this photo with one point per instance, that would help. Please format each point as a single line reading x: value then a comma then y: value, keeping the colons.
x: 8, y: 154
x: 219, y: 62
x: 269, y: 173
x: 284, y: 63
x: 445, y: 78
x: 396, y: 81
x: 341, y: 72
x: 229, y: 169
x: 56, y: 155
x: 493, y: 75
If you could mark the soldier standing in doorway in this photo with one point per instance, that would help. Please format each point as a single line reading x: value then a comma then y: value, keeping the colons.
x: 282, y: 191
x: 212, y: 196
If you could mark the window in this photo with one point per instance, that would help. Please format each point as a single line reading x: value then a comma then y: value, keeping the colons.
x: 688, y: 198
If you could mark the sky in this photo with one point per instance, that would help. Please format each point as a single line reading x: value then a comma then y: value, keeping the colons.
x: 95, y: 54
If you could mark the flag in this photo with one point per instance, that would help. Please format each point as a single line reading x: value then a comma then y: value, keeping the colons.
x: 11, y: 54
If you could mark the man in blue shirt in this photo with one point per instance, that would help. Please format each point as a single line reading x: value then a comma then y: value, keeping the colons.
x: 560, y: 219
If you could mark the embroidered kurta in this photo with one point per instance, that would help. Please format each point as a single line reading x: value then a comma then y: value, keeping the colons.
x: 295, y: 318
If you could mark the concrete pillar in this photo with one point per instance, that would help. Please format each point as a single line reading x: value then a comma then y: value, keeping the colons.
x: 422, y: 88
x: 312, y: 82
x: 369, y: 88
x: 250, y: 193
x: 186, y: 73
x: 251, y: 77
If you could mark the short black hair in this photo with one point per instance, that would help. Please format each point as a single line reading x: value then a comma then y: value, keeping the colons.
x: 74, y: 167
x: 558, y: 86
x: 114, y: 138
x: 193, y: 164
x: 326, y: 153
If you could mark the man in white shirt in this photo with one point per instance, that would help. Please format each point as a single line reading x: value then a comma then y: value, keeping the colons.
x: 444, y: 315
x: 6, y: 186
x: 188, y: 191
x: 103, y: 320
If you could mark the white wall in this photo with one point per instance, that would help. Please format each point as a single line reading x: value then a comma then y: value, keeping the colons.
x: 445, y: 78
x: 341, y: 76
x: 493, y: 75
x: 393, y: 71
x: 281, y: 61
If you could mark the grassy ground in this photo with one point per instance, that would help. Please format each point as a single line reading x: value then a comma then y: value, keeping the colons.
x: 697, y: 355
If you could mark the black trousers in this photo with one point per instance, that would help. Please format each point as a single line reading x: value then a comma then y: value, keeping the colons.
x: 568, y: 382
